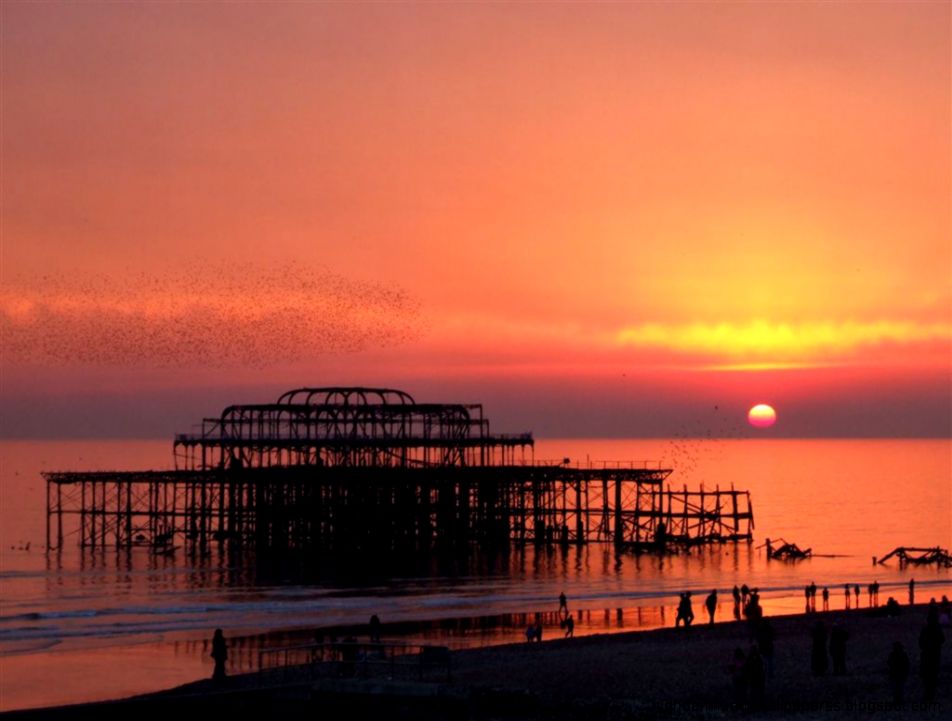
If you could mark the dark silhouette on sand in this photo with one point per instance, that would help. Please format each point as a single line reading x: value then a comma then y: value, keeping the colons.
x: 711, y: 604
x: 375, y: 629
x: 569, y: 627
x: 685, y: 612
x: 931, y: 639
x: 219, y: 654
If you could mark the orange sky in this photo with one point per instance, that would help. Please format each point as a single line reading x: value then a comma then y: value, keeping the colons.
x: 638, y: 208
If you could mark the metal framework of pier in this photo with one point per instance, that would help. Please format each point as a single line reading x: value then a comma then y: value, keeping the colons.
x: 363, y: 469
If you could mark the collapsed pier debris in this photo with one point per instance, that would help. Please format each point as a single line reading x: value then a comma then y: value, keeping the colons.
x: 369, y: 469
x: 919, y: 556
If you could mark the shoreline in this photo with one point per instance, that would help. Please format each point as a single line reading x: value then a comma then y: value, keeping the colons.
x: 661, y: 673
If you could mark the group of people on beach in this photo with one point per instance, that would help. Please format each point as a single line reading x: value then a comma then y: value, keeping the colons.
x: 566, y: 622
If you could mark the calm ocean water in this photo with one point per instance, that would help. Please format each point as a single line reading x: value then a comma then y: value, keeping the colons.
x: 135, y: 622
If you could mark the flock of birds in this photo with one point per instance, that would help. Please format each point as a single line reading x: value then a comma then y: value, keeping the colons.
x: 702, y: 439
x: 211, y: 315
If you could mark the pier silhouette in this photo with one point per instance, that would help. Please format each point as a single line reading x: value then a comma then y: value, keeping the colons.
x: 370, y: 470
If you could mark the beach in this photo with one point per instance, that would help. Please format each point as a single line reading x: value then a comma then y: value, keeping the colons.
x: 665, y: 673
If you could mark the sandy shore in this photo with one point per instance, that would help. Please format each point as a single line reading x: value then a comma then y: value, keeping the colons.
x: 667, y: 673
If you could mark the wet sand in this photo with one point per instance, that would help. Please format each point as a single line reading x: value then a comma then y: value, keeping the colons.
x: 668, y: 673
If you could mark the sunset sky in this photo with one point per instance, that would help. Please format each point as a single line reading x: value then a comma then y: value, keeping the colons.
x: 597, y: 219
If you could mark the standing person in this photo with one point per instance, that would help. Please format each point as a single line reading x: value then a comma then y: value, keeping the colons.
x: 813, y: 596
x: 744, y: 592
x: 736, y: 595
x: 931, y: 639
x: 826, y: 599
x: 569, y: 627
x: 711, y: 604
x: 856, y: 593
x: 219, y: 654
x: 563, y: 605
x: 753, y: 612
x: 912, y: 591
x: 898, y: 665
x: 846, y: 591
x: 838, y: 638
x: 818, y: 659
x: 685, y: 612
x: 806, y: 595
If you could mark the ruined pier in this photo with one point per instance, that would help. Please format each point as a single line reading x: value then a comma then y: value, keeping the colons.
x: 369, y: 469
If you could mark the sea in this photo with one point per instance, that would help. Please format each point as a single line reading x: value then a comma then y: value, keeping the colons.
x: 79, y: 626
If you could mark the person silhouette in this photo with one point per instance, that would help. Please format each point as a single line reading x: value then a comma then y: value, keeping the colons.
x: 826, y: 599
x: 685, y: 612
x: 912, y: 591
x: 846, y: 591
x: 735, y: 593
x: 744, y: 592
x: 856, y: 593
x: 219, y: 654
x: 711, y: 604
x: 569, y: 627
x: 374, y: 629
x: 563, y: 604
x: 931, y: 639
x: 806, y: 595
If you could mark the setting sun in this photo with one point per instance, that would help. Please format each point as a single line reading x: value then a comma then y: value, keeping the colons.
x: 761, y: 416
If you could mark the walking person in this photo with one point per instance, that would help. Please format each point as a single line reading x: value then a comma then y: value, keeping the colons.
x: 569, y: 627
x: 219, y: 654
x: 685, y: 612
x: 711, y: 604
